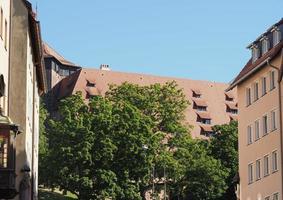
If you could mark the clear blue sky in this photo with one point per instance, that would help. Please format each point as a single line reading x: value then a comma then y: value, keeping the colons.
x: 197, y: 39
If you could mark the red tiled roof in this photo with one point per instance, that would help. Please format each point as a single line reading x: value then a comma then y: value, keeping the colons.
x: 204, y: 115
x: 200, y: 102
x: 206, y: 128
x: 50, y: 52
x: 196, y: 91
x: 251, y: 67
x: 232, y: 105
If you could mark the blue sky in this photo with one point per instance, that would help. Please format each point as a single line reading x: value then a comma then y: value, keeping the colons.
x: 201, y: 39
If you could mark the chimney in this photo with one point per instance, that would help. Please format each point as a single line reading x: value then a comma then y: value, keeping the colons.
x: 104, y: 67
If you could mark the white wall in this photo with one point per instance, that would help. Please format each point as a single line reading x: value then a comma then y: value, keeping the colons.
x: 4, y: 52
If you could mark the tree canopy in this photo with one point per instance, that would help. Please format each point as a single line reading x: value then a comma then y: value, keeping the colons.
x: 109, y: 147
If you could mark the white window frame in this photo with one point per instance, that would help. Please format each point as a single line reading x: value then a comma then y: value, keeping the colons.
x: 264, y: 45
x: 273, y: 120
x: 266, y: 165
x: 258, y: 170
x: 272, y: 80
x: 263, y: 86
x: 250, y: 173
x: 276, y: 34
x: 255, y: 53
x: 249, y: 134
x: 274, y: 162
x: 275, y: 195
x: 265, y: 125
x: 248, y: 96
x: 257, y: 129
x: 255, y: 88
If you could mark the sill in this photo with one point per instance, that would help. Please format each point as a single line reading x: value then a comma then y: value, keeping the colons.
x: 266, y: 175
x: 273, y: 130
x: 250, y: 183
x: 257, y: 139
x: 258, y: 179
x: 256, y: 99
x: 263, y: 94
x: 272, y: 89
x: 249, y: 144
x: 265, y: 134
x: 274, y: 171
x: 248, y: 105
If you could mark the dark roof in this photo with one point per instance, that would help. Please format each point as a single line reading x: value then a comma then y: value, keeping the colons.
x: 251, y: 67
x: 50, y: 52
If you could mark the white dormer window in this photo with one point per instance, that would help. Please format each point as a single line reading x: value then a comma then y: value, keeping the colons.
x: 276, y: 36
x: 255, y: 53
x: 264, y: 45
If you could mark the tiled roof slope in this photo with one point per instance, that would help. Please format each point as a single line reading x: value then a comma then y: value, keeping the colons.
x: 50, y: 52
x: 252, y: 67
x: 212, y: 93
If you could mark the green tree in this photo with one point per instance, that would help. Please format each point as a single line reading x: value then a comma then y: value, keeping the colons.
x: 224, y: 147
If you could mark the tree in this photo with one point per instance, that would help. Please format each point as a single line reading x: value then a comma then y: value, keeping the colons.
x: 224, y: 147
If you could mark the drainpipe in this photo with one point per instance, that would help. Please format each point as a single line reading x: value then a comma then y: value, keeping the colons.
x: 280, y: 114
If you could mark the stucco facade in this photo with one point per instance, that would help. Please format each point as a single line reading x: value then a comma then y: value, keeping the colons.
x: 259, y: 89
x: 26, y: 81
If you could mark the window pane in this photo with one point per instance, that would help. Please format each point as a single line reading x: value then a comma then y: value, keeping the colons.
x: 249, y: 134
x: 258, y: 175
x: 266, y: 165
x: 265, y: 125
x: 250, y: 173
x: 272, y: 80
x: 257, y: 136
x: 274, y: 161
x: 273, y: 120
x: 276, y: 196
x: 263, y: 85
x: 4, y: 142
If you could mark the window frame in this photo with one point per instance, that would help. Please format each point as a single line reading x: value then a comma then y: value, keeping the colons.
x: 1, y: 22
x: 273, y: 120
x: 6, y: 35
x: 265, y: 126
x: 257, y: 129
x: 263, y: 86
x: 274, y: 164
x: 250, y: 173
x: 265, y: 45
x: 276, y: 36
x: 275, y: 194
x: 255, y: 92
x: 272, y: 77
x: 248, y: 96
x: 257, y: 169
x: 266, y: 168
x: 249, y: 134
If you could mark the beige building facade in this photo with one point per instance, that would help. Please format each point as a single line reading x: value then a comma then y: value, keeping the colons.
x: 23, y: 83
x: 259, y: 89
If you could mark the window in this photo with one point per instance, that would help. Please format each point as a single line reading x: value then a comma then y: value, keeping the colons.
x: 248, y: 96
x: 276, y: 37
x: 267, y: 198
x: 264, y: 125
x: 274, y: 161
x: 257, y: 170
x: 4, y: 143
x: 249, y: 133
x: 250, y: 173
x: 6, y: 34
x: 273, y: 120
x: 255, y: 53
x: 206, y: 121
x: 257, y: 135
x: 255, y: 91
x: 263, y: 86
x: 272, y: 80
x: 266, y: 165
x: 1, y: 23
x: 265, y: 45
x: 276, y: 196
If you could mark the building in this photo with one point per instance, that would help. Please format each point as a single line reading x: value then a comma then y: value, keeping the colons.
x: 259, y: 87
x: 210, y: 105
x: 57, y: 67
x: 22, y: 82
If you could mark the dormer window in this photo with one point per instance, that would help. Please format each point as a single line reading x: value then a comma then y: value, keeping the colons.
x: 196, y: 93
x: 276, y: 36
x: 264, y: 45
x: 255, y: 53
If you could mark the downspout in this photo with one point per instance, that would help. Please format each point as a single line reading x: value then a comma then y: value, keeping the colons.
x: 280, y: 115
x: 33, y: 133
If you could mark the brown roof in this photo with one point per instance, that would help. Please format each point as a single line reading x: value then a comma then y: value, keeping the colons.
x: 50, y: 52
x: 232, y: 105
x: 36, y: 43
x: 206, y: 128
x: 200, y: 102
x: 204, y: 115
x: 230, y: 95
x: 196, y: 91
x: 252, y: 67
x: 212, y: 92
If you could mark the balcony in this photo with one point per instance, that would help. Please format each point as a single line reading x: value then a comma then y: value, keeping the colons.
x: 7, y: 184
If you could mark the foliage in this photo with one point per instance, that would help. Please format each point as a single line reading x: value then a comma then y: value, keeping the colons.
x: 224, y: 147
x: 108, y: 147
